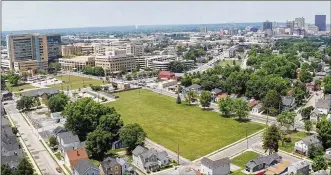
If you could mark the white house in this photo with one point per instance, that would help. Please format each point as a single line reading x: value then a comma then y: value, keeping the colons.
x: 302, y: 146
x: 257, y: 108
x: 68, y: 141
x: 323, y: 105
x: 302, y: 167
x: 217, y: 167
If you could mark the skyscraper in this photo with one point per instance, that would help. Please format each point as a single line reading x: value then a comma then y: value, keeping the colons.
x: 267, y: 25
x: 320, y: 22
x: 300, y: 23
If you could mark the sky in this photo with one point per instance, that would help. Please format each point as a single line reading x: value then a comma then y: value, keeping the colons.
x: 28, y: 15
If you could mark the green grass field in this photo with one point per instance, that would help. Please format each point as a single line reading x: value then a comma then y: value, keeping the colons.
x: 243, y: 158
x: 228, y: 62
x: 196, y: 131
x: 21, y: 86
x: 295, y: 136
x: 75, y: 82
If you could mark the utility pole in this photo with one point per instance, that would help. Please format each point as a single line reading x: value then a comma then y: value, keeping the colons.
x: 178, y: 153
x: 247, y: 134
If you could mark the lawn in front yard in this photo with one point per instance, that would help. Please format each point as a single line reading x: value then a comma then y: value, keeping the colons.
x: 243, y: 158
x: 295, y: 136
x: 228, y: 62
x: 196, y: 131
x: 23, y: 86
x: 75, y: 82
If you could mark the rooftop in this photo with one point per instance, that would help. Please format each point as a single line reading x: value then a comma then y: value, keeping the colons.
x: 76, y: 155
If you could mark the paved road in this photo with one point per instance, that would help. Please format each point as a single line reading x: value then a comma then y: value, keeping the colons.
x: 173, y: 155
x: 207, y: 65
x: 43, y: 159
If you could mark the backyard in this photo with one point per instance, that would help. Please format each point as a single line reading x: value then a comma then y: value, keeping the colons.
x: 197, y: 132
x: 295, y: 136
x: 75, y: 82
x: 23, y: 86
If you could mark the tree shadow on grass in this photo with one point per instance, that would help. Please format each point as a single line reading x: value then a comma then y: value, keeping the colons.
x: 246, y: 120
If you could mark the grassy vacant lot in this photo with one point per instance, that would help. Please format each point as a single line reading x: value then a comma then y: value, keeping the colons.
x: 196, y: 131
x: 295, y: 136
x: 228, y: 62
x: 23, y: 86
x: 75, y: 82
x: 243, y: 158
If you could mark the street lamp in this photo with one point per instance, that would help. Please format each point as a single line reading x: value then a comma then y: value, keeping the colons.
x: 247, y: 134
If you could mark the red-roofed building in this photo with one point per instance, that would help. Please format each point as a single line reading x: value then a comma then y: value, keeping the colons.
x: 167, y: 75
x: 71, y: 157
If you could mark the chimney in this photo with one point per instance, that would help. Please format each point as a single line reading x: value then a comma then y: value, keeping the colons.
x: 77, y: 153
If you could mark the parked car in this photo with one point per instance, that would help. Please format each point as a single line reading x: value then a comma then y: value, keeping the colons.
x: 58, y: 169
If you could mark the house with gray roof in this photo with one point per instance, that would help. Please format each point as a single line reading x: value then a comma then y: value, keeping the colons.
x: 302, y: 146
x: 262, y: 162
x: 219, y: 167
x: 149, y: 160
x: 328, y: 154
x: 302, y: 167
x: 193, y: 87
x: 315, y: 115
x: 288, y: 103
x: 323, y: 106
x: 41, y: 91
x: 85, y: 167
x: 68, y: 141
x: 110, y: 166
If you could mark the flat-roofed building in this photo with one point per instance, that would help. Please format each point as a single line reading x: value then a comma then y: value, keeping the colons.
x: 149, y: 60
x: 29, y: 65
x: 115, y: 61
x: 77, y: 63
x: 135, y: 49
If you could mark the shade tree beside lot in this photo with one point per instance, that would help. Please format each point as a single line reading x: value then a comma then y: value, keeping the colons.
x: 58, y: 102
x: 96, y: 71
x: 98, y: 143
x: 286, y: 119
x: 324, y: 131
x: 26, y: 103
x: 225, y: 106
x: 111, y: 123
x: 205, y: 99
x: 271, y: 137
x: 272, y: 102
x: 319, y: 163
x: 132, y: 135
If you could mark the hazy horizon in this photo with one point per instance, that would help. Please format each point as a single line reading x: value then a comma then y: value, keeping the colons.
x: 39, y: 15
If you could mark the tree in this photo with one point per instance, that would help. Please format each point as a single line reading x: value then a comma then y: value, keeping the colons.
x: 52, y: 141
x: 6, y: 170
x: 286, y: 118
x: 190, y: 96
x: 319, y: 163
x: 178, y: 100
x: 98, y: 143
x: 177, y: 66
x: 132, y: 135
x: 24, y: 167
x: 3, y: 83
x: 305, y: 76
x: 105, y: 88
x: 225, y: 106
x: 272, y: 100
x: 58, y: 102
x: 96, y: 88
x: 128, y: 77
x: 14, y: 79
x: 305, y: 112
x: 308, y: 125
x: 25, y: 103
x: 271, y: 136
x: 111, y: 123
x: 240, y: 108
x: 205, y: 99
x: 324, y: 131
x: 15, y: 130
x: 83, y: 116
x: 315, y: 151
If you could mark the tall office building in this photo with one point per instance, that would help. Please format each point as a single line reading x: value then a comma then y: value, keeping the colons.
x: 320, y: 22
x: 267, y: 25
x: 32, y: 51
x: 203, y: 29
x: 300, y: 23
x: 135, y: 49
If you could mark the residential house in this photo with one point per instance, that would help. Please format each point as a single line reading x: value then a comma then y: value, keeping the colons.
x: 315, y: 115
x: 117, y: 144
x: 194, y: 87
x: 280, y: 168
x: 302, y: 167
x: 68, y: 141
x: 58, y: 130
x: 109, y: 166
x: 302, y: 146
x: 72, y: 157
x: 221, y: 96
x: 263, y: 162
x: 149, y: 159
x: 215, y: 92
x: 85, y: 167
x: 167, y: 75
x: 323, y: 105
x: 215, y: 167
x: 11, y: 151
x: 288, y: 103
x: 257, y: 109
x: 127, y: 169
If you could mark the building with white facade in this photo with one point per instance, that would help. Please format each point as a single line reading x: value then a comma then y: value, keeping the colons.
x: 215, y: 167
x: 229, y: 53
x: 135, y: 49
x: 77, y: 63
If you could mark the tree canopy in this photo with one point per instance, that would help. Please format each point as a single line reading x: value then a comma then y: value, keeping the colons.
x: 98, y: 143
x: 132, y: 135
x: 58, y: 102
